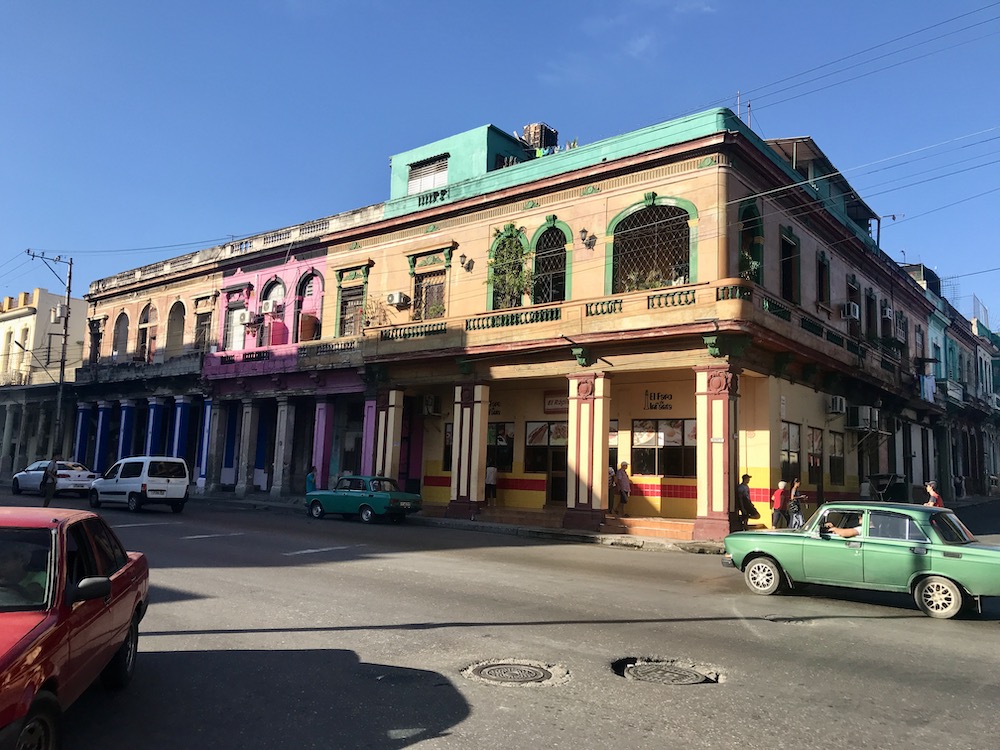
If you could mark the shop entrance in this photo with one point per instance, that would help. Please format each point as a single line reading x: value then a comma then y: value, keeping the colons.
x: 555, y: 484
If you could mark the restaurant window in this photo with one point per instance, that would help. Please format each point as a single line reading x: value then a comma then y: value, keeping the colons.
x: 449, y: 431
x: 665, y: 447
x: 539, y: 437
x: 500, y: 445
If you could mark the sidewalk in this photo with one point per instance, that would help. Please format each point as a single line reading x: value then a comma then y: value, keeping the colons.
x: 651, y: 544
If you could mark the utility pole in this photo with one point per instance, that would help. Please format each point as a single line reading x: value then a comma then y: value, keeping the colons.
x: 65, y: 338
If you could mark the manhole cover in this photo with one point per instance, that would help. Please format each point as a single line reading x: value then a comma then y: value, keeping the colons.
x: 666, y: 671
x: 516, y: 672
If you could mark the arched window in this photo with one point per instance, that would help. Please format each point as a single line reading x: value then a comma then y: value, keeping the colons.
x: 510, y: 277
x: 751, y: 267
x: 274, y: 332
x: 119, y: 344
x: 175, y: 330
x: 309, y: 307
x: 147, y: 334
x: 652, y: 249
x: 550, y: 267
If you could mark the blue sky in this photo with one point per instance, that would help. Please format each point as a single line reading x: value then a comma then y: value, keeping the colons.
x: 132, y: 132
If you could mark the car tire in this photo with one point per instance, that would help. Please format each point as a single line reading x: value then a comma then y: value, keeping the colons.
x: 95, y: 499
x: 120, y: 669
x: 763, y: 576
x: 177, y: 507
x: 366, y: 513
x: 939, y: 597
x: 15, y: 487
x: 316, y: 510
x: 133, y: 503
x: 41, y: 726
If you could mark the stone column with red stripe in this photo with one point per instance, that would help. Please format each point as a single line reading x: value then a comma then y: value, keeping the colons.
x: 716, y: 392
x: 587, y: 453
x: 468, y: 458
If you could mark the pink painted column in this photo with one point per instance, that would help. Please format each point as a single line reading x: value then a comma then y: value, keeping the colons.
x: 322, y: 442
x: 587, y: 457
x: 716, y: 392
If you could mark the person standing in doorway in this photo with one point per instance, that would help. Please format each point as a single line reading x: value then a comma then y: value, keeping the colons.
x: 778, y: 512
x: 491, y: 484
x: 744, y: 505
x: 49, y: 478
x: 311, y: 479
x: 624, y: 487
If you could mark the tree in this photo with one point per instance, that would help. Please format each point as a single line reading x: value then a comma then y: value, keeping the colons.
x: 510, y: 268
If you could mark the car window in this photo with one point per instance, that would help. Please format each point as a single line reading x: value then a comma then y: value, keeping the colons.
x: 25, y: 569
x: 80, y: 562
x: 167, y: 469
x: 884, y: 525
x: 71, y: 466
x: 842, y: 517
x: 37, y: 466
x: 344, y: 484
x: 951, y: 530
x: 384, y: 485
x: 131, y: 469
x: 110, y: 555
x: 358, y: 484
x: 112, y: 472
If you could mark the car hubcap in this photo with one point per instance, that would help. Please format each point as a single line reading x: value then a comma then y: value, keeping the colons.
x: 938, y: 597
x: 34, y: 736
x: 761, y: 576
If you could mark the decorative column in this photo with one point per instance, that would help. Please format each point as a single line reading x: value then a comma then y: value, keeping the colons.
x: 248, y: 452
x: 587, y: 456
x: 322, y: 439
x: 468, y: 457
x: 154, y: 429
x: 46, y: 448
x: 126, y: 430
x: 368, y: 436
x: 103, y: 436
x: 217, y: 446
x: 716, y: 391
x: 182, y: 418
x: 82, y: 433
x: 21, y: 453
x: 389, y: 429
x: 284, y: 431
x: 6, y: 463
x: 205, y: 442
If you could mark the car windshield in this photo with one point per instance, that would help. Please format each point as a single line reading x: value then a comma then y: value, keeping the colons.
x: 951, y: 529
x: 385, y: 485
x: 25, y: 569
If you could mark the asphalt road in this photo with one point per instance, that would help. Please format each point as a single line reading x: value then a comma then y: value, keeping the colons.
x: 270, y: 630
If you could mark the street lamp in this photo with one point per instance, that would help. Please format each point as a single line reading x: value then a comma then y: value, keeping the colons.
x: 65, y: 336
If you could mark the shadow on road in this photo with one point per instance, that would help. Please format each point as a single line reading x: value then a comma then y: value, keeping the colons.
x: 269, y: 700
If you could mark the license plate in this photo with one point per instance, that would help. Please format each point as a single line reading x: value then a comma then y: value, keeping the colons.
x: 157, y: 492
x: 78, y: 486
x: 404, y: 505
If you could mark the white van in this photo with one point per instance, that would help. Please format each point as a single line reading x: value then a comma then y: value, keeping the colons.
x: 143, y: 480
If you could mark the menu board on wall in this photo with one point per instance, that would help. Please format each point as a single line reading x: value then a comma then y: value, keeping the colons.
x: 673, y: 431
x: 645, y: 434
x: 690, y: 432
x: 537, y: 433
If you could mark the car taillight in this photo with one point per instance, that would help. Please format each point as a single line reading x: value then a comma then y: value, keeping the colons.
x: 62, y: 476
x: 394, y: 501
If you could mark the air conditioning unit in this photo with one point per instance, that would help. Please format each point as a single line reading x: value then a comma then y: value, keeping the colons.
x: 850, y: 311
x: 271, y: 307
x: 836, y: 405
x: 860, y: 417
x: 244, y: 317
x: 398, y: 299
x: 887, y: 313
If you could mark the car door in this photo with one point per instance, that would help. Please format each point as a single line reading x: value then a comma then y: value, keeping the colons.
x: 832, y: 559
x: 32, y: 477
x: 106, y: 486
x: 894, y: 550
x: 112, y: 561
x: 86, y: 624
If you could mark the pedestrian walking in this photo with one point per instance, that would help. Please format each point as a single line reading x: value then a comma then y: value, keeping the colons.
x: 491, y: 484
x: 778, y: 511
x: 933, y: 496
x: 311, y: 479
x: 624, y: 487
x: 959, y: 482
x: 745, y: 509
x: 49, y: 478
x: 795, y: 501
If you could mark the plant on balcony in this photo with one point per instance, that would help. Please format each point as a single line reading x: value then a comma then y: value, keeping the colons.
x: 376, y: 313
x: 510, y: 268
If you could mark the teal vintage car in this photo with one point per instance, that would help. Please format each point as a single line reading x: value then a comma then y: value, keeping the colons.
x: 368, y: 498
x: 924, y: 551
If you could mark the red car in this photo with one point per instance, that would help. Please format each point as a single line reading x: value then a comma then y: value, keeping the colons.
x: 71, y: 599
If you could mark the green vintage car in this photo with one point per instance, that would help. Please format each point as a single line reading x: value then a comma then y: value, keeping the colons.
x: 924, y: 551
x: 367, y: 498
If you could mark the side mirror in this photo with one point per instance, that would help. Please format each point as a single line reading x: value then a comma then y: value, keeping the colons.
x: 96, y: 587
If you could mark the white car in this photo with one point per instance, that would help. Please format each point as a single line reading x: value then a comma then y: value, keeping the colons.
x: 71, y: 477
x: 143, y: 480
